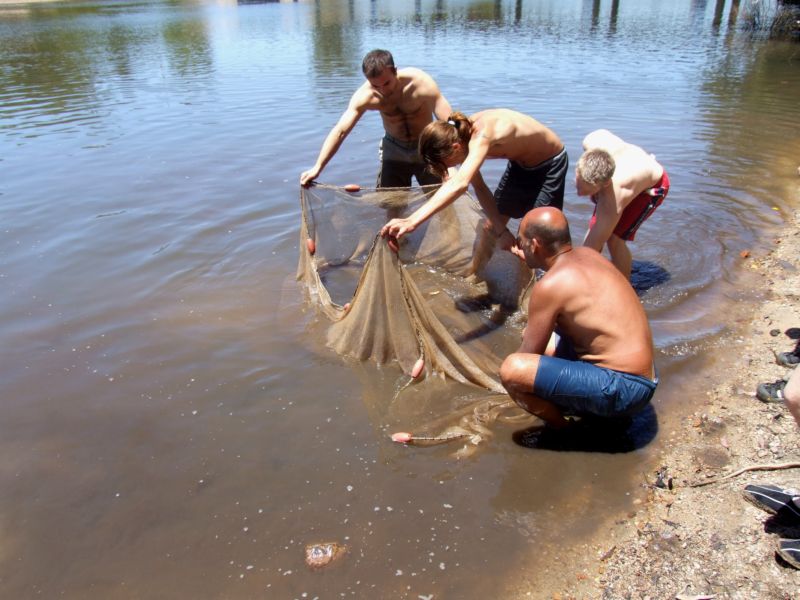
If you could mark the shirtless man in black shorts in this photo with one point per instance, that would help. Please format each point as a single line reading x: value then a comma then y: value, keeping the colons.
x: 535, y: 175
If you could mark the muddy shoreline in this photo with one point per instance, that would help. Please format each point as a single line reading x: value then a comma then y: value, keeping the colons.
x: 702, y: 542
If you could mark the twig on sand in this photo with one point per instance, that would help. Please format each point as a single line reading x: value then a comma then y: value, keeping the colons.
x: 761, y: 467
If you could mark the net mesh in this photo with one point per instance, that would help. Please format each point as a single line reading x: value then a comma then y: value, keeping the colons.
x: 443, y: 307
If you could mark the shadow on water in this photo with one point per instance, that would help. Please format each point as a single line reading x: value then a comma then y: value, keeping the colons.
x: 609, y: 436
x: 646, y: 274
x: 494, y: 318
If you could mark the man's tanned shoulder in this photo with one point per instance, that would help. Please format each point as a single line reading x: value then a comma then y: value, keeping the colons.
x: 365, y: 98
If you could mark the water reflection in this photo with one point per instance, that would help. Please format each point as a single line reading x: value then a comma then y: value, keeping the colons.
x: 48, y: 79
x: 733, y: 15
x: 485, y: 11
x: 752, y: 84
x: 697, y: 12
x: 612, y: 20
x: 592, y: 12
x: 337, y: 50
x: 188, y: 48
x: 592, y: 7
x: 121, y: 50
x: 68, y: 77
x: 719, y: 8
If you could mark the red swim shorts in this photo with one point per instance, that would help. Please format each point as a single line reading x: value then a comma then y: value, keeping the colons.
x: 639, y: 209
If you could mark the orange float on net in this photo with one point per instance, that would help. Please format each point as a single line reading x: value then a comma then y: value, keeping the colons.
x: 418, y: 367
x: 402, y: 437
x: 347, y: 307
x: 312, y: 246
x: 352, y: 187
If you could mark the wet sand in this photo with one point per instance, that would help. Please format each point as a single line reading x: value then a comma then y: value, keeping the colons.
x: 708, y: 541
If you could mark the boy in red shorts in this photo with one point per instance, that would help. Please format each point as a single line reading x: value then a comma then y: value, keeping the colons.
x: 626, y: 184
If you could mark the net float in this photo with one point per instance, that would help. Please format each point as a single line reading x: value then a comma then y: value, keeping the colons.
x: 403, y: 437
x: 418, y: 366
x: 347, y: 307
x: 312, y: 246
x: 392, y: 241
x: 352, y: 187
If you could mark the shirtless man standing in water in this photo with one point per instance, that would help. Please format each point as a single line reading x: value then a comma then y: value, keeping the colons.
x: 626, y: 184
x: 602, y: 363
x: 406, y: 99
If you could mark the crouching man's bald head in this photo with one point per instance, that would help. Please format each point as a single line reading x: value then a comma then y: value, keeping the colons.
x: 543, y: 234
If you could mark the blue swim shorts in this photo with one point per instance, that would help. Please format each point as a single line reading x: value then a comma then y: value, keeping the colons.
x: 581, y: 388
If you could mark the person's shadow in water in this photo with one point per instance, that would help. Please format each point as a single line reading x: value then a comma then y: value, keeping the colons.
x: 595, y: 434
x: 646, y: 275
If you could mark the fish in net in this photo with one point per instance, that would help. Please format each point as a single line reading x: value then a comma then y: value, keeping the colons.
x: 439, y: 302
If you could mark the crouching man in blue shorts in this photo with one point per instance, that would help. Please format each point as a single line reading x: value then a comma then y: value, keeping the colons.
x: 601, y: 360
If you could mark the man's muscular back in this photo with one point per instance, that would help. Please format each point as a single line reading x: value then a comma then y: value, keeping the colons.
x: 636, y: 170
x: 598, y: 311
x: 516, y: 136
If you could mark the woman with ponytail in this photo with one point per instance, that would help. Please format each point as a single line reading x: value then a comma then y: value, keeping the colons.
x: 535, y: 176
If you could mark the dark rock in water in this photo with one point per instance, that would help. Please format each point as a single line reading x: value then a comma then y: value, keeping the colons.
x: 324, y: 553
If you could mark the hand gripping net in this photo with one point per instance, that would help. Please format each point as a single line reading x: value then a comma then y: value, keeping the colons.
x: 421, y: 307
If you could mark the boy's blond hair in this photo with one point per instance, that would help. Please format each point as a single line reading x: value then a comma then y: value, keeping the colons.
x: 596, y: 167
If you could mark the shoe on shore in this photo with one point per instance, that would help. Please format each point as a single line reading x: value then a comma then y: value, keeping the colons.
x: 788, y: 359
x: 789, y: 550
x: 771, y: 392
x: 774, y: 500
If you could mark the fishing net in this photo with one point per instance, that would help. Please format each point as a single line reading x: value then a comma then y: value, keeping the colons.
x: 443, y: 306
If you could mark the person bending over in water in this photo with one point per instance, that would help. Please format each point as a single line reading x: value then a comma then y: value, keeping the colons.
x: 601, y: 361
x: 535, y: 175
x: 626, y: 185
x: 406, y: 100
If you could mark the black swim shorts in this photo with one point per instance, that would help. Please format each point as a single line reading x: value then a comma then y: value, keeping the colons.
x: 400, y: 161
x: 522, y: 189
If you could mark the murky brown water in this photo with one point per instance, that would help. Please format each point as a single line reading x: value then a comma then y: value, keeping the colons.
x: 171, y: 426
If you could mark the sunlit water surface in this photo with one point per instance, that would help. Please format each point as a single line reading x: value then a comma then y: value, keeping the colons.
x: 171, y: 425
